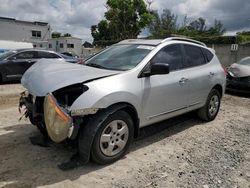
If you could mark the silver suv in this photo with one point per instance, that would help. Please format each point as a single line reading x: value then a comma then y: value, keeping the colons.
x: 129, y: 85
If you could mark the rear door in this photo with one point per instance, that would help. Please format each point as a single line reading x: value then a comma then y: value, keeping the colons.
x: 199, y: 74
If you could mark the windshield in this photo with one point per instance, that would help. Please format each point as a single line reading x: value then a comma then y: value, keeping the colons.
x: 245, y: 61
x: 120, y: 57
x: 6, y: 54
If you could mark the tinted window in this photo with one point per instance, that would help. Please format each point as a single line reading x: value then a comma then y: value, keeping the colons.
x: 42, y: 54
x: 194, y: 56
x: 171, y: 55
x: 25, y: 55
x: 208, y: 54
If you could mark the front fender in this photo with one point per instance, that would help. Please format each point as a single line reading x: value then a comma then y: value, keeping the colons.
x: 98, y: 101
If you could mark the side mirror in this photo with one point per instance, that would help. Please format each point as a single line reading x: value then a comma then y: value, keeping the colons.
x: 154, y: 69
x: 159, y: 68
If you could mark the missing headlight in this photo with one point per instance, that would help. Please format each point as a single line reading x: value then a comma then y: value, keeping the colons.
x: 67, y: 95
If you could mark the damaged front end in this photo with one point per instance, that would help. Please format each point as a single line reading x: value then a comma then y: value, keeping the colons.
x: 51, y: 113
x: 57, y: 120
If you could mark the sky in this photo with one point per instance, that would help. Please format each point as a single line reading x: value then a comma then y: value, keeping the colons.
x: 77, y: 16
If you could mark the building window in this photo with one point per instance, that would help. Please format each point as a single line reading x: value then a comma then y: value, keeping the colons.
x: 36, y: 34
x: 41, y: 45
x: 70, y: 45
x: 61, y: 45
x: 50, y: 45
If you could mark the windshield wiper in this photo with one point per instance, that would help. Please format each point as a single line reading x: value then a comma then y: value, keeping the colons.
x: 95, y: 65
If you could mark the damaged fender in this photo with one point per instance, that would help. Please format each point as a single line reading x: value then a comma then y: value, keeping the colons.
x: 89, y: 130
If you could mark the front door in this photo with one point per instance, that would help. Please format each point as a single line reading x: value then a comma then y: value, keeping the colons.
x: 165, y: 95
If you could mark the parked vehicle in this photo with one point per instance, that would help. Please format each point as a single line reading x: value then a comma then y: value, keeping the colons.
x: 129, y: 85
x: 15, y: 62
x: 238, y: 78
x: 2, y: 50
x: 71, y: 54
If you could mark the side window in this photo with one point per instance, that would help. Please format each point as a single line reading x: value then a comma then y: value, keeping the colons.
x: 171, y: 55
x: 209, y: 55
x: 52, y: 55
x: 42, y: 54
x: 194, y: 56
x: 25, y: 55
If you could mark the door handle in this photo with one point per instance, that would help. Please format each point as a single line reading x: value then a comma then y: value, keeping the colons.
x: 183, y: 80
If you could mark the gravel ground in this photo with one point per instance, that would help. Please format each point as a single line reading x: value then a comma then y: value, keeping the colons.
x: 181, y: 152
x: 9, y: 93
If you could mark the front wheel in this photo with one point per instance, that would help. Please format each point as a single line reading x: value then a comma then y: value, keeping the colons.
x: 113, y: 138
x: 212, y: 106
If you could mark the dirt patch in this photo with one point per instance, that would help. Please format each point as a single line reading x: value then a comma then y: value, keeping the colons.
x: 181, y: 152
x: 9, y: 94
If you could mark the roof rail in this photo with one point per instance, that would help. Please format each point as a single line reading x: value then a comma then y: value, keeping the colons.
x: 183, y: 39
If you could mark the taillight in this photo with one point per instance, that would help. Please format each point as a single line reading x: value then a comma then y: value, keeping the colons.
x: 225, y: 69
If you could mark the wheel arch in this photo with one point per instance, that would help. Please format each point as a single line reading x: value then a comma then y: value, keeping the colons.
x: 219, y: 88
x: 131, y: 110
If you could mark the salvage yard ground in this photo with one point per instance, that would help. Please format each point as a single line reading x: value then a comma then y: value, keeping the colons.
x: 181, y: 152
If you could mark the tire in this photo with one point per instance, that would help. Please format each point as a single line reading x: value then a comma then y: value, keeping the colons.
x: 113, y: 146
x: 31, y: 119
x: 212, y: 106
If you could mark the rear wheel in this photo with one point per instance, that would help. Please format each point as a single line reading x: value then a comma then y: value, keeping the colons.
x: 113, y: 138
x: 212, y: 106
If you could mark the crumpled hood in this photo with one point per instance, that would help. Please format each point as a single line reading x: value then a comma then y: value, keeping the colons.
x: 239, y: 70
x: 46, y: 75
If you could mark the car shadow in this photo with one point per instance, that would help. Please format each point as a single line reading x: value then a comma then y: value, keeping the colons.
x: 21, y: 163
x: 10, y: 82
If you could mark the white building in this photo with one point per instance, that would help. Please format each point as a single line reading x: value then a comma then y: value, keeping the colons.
x: 37, y: 33
x: 66, y: 44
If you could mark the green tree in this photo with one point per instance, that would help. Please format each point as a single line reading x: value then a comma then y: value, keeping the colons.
x: 243, y: 36
x: 124, y: 19
x: 56, y: 34
x: 164, y: 25
x: 198, y: 25
x: 67, y: 35
x: 216, y: 29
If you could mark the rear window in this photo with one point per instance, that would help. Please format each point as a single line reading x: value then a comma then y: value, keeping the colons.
x: 194, y: 56
x: 209, y: 55
x: 245, y: 61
